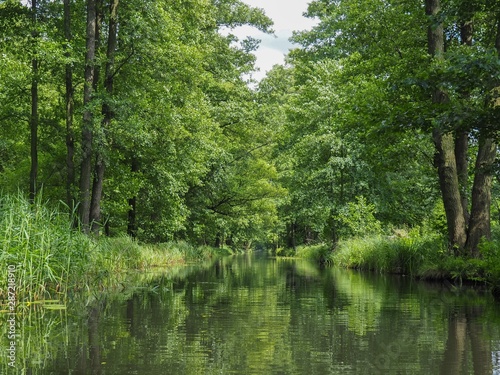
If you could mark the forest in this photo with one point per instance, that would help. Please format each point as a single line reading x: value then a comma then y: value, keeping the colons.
x: 137, y: 119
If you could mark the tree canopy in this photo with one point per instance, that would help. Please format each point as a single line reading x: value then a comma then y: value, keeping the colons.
x: 139, y: 118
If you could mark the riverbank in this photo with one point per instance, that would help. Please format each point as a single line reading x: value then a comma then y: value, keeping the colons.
x: 423, y: 256
x: 43, y: 257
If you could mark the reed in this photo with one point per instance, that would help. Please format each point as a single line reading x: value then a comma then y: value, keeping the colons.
x: 40, y: 244
x: 409, y: 254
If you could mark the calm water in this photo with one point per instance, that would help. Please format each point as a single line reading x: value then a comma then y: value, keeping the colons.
x: 252, y: 315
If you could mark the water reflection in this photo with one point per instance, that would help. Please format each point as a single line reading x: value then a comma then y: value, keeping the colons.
x: 466, y: 335
x: 251, y: 315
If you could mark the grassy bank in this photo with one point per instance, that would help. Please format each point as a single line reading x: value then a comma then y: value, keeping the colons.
x: 44, y: 257
x: 419, y: 255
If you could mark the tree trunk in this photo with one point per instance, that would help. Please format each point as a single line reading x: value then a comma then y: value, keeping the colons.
x: 479, y: 224
x: 132, y: 212
x: 461, y: 157
x: 95, y: 211
x: 70, y: 136
x: 34, y: 107
x: 97, y: 187
x: 86, y: 166
x: 435, y: 31
x: 132, y: 217
x: 445, y: 143
x: 462, y: 138
x: 448, y: 180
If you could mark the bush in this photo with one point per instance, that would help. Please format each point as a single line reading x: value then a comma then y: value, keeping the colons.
x: 490, y: 251
x: 319, y: 253
x: 358, y: 219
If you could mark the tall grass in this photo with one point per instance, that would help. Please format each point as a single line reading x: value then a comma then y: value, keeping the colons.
x: 40, y: 244
x: 409, y: 254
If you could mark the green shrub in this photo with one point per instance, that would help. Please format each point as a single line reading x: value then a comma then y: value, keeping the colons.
x: 358, y: 219
x: 490, y: 251
x: 319, y: 253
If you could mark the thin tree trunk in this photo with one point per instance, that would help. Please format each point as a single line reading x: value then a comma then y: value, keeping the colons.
x: 34, y: 107
x: 95, y: 212
x: 132, y: 217
x: 97, y: 187
x: 70, y: 136
x: 132, y: 212
x: 444, y: 142
x: 86, y: 167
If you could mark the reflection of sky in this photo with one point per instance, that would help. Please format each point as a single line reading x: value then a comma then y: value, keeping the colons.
x: 495, y: 357
x: 287, y: 17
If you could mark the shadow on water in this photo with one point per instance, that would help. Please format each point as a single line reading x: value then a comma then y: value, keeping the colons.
x: 253, y: 315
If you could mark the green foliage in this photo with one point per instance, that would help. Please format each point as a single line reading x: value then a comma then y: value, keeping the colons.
x: 341, y: 140
x: 333, y: 145
x: 357, y: 219
x: 233, y: 13
x: 418, y: 254
x: 490, y: 252
x: 436, y: 222
x: 177, y: 88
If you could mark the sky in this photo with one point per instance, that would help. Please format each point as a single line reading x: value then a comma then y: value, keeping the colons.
x: 287, y: 17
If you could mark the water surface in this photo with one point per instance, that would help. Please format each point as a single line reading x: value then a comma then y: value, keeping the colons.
x: 253, y: 315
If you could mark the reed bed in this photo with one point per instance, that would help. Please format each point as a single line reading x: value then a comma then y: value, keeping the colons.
x: 40, y: 245
x: 407, y: 255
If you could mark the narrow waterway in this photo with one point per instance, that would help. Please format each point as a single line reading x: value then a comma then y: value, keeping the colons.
x: 254, y: 315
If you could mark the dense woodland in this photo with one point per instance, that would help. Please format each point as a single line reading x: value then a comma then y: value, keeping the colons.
x: 139, y: 116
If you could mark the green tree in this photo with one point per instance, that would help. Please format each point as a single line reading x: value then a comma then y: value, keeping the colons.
x: 234, y: 201
x: 448, y: 96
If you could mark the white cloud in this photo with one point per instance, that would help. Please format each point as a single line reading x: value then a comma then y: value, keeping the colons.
x: 287, y: 17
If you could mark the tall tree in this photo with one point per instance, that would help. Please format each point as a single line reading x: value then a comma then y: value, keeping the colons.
x: 86, y: 165
x: 444, y: 140
x: 449, y: 97
x: 100, y: 166
x: 464, y: 232
x: 69, y: 110
x: 34, y: 119
x: 480, y: 221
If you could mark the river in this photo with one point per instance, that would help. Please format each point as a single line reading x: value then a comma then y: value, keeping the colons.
x: 256, y: 315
